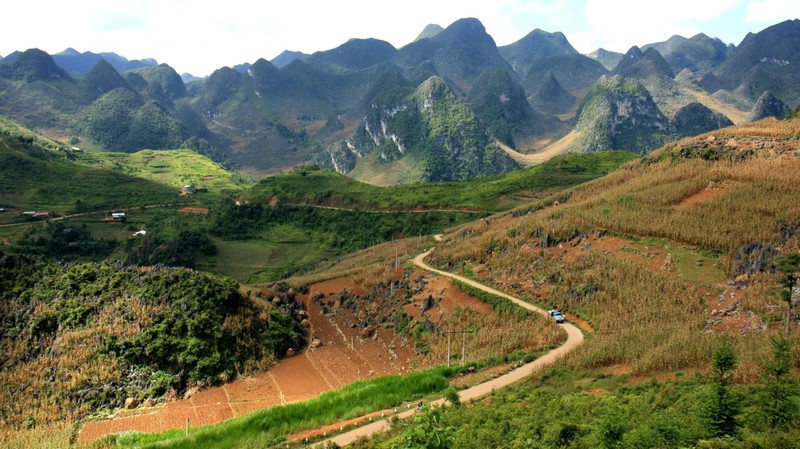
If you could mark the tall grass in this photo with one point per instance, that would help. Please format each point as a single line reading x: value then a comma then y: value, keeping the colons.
x: 647, y: 320
x: 52, y: 436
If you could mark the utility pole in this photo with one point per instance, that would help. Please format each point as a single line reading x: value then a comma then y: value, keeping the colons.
x: 448, y: 348
x: 463, y: 348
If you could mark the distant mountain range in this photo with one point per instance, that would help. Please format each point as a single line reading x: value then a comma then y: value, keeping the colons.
x: 450, y: 105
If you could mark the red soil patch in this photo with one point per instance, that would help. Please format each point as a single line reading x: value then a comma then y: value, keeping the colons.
x: 709, y: 192
x: 652, y: 258
x: 583, y: 324
x: 447, y: 297
x: 194, y: 210
x: 723, y: 313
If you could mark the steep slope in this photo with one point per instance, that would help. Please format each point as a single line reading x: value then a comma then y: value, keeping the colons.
x: 121, y: 120
x: 430, y: 30
x: 608, y: 58
x: 551, y: 98
x: 536, y: 45
x: 575, y: 73
x: 695, y: 118
x: 166, y: 79
x: 642, y: 65
x: 762, y: 61
x: 288, y: 56
x: 500, y: 103
x: 102, y: 78
x: 459, y: 54
x: 32, y: 65
x: 355, y: 54
x: 768, y: 106
x: 79, y: 64
x: 669, y: 92
x: 619, y: 113
x: 700, y: 53
x: 431, y: 132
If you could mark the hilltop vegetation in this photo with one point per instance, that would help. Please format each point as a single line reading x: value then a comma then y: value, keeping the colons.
x: 501, y: 192
x: 80, y: 338
x: 39, y: 174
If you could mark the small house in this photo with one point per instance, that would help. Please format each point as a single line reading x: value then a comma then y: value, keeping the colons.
x: 117, y: 216
x: 187, y: 189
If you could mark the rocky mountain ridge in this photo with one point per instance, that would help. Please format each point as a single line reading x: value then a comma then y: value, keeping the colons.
x: 326, y: 107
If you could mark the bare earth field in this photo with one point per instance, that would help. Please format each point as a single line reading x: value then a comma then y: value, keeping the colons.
x: 344, y: 356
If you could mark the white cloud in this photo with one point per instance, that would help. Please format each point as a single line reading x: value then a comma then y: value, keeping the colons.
x: 771, y: 10
x: 619, y: 24
x: 200, y: 36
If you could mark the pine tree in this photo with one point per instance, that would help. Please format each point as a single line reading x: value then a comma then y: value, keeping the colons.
x: 725, y: 405
x: 777, y: 397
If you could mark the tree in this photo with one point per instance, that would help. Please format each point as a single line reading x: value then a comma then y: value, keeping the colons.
x: 724, y: 406
x: 789, y: 266
x: 778, y: 403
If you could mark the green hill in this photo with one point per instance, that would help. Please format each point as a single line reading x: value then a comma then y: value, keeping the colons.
x: 501, y: 192
x: 619, y: 113
x: 536, y: 45
x: 37, y: 174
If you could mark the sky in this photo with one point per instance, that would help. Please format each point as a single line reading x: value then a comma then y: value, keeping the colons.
x: 200, y: 36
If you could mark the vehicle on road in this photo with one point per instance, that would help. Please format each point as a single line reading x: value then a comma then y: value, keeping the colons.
x: 556, y: 315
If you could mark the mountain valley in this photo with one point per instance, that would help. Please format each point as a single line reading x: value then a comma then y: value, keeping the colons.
x: 285, y: 251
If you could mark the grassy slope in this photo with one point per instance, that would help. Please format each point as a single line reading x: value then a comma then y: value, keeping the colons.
x: 32, y: 176
x: 174, y: 168
x: 487, y: 194
x: 649, y: 321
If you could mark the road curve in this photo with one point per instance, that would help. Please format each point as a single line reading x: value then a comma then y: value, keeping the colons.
x: 574, y: 338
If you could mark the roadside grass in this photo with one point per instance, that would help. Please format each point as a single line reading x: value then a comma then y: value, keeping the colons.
x: 271, y: 426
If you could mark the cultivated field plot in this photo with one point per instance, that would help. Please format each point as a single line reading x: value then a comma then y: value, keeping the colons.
x: 343, y: 356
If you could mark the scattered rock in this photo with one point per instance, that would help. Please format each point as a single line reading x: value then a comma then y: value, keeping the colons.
x: 367, y: 332
x: 290, y: 352
x: 669, y: 263
x: 315, y: 343
x: 130, y: 403
x: 190, y: 392
x: 149, y: 402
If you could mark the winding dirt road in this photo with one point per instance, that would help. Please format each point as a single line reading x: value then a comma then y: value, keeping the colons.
x: 574, y: 338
